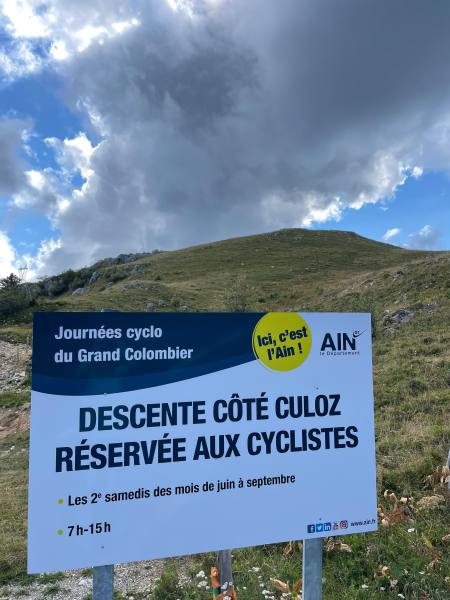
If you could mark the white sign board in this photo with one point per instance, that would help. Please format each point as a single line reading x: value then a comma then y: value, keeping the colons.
x: 146, y: 427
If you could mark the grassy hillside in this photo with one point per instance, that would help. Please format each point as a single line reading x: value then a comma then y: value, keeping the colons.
x: 408, y: 294
x: 279, y: 270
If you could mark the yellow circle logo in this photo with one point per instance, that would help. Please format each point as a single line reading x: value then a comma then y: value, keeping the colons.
x: 282, y: 341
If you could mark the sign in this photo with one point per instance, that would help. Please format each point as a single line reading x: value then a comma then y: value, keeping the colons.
x: 145, y: 427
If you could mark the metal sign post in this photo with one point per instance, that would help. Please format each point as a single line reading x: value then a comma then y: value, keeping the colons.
x: 103, y: 583
x: 225, y: 569
x: 103, y: 577
x: 312, y: 569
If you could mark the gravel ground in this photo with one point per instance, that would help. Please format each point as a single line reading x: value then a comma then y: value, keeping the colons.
x: 129, y: 579
x: 14, y: 359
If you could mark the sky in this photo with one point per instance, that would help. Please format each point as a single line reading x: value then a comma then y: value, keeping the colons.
x: 132, y: 125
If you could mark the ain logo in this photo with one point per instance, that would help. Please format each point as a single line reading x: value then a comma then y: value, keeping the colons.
x: 340, y: 341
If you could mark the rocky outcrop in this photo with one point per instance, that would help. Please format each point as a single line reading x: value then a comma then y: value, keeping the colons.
x: 95, y: 275
x: 122, y: 259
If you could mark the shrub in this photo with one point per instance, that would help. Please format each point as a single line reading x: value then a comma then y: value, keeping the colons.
x: 239, y: 296
x: 168, y: 587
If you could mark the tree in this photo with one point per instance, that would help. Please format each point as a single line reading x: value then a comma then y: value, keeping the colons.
x: 13, y: 296
x: 11, y: 282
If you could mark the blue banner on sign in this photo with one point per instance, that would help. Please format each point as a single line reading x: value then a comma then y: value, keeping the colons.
x: 95, y: 353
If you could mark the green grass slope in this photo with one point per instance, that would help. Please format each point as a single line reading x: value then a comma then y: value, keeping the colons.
x: 307, y: 271
x: 283, y: 268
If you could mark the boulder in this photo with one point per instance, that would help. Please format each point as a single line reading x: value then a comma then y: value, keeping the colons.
x: 401, y: 316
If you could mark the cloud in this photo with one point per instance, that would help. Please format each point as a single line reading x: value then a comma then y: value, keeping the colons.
x: 36, y: 264
x: 73, y: 154
x: 8, y: 258
x: 44, y: 31
x: 226, y: 118
x: 49, y: 190
x: 12, y: 132
x: 18, y: 59
x: 390, y: 233
x: 425, y: 239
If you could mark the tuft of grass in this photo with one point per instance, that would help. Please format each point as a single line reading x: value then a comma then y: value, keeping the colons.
x: 11, y: 399
x: 16, y: 334
x: 168, y: 587
x: 51, y: 578
x: 51, y: 590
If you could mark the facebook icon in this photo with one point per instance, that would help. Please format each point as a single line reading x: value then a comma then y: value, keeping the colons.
x: 311, y: 528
